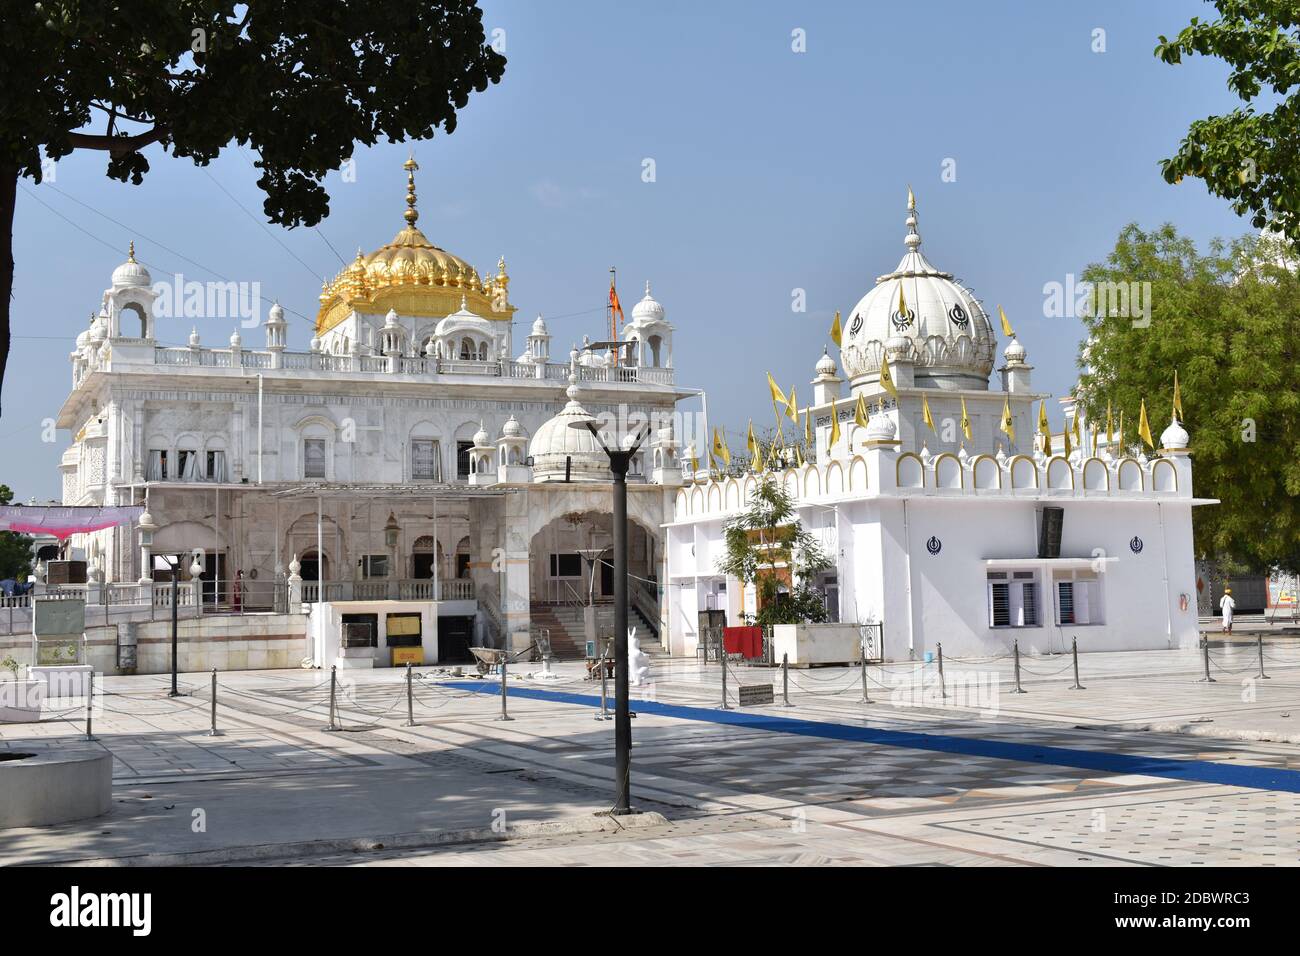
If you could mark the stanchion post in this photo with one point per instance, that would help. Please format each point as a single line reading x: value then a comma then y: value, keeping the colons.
x: 504, y: 715
x: 1259, y: 645
x: 785, y: 679
x: 862, y: 648
x: 90, y: 703
x: 604, y: 682
x: 1015, y: 650
x: 410, y: 699
x: 212, y: 730
x: 1074, y: 652
x: 334, y: 679
x: 1205, y: 654
x: 943, y: 689
x: 723, y: 657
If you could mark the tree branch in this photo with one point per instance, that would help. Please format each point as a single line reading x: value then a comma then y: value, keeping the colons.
x: 117, y: 145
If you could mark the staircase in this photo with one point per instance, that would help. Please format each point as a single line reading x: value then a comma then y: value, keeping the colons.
x: 568, y: 640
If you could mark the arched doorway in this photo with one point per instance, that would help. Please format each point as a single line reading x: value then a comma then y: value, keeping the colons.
x: 571, y: 558
x: 312, y: 566
x: 422, y: 557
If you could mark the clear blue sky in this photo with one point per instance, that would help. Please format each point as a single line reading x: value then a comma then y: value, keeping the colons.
x: 775, y: 170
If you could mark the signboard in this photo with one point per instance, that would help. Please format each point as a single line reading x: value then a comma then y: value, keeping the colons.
x: 751, y: 695
x: 403, y: 625
x: 1282, y: 591
x: 59, y: 617
x: 407, y: 655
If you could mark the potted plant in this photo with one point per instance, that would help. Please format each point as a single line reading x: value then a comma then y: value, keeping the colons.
x: 20, y: 700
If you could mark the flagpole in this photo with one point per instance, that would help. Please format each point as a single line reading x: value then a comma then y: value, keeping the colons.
x: 613, y: 328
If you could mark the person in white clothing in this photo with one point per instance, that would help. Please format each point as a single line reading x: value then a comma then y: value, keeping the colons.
x: 1226, y: 605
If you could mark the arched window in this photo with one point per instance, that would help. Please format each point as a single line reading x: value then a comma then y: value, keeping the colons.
x: 467, y: 350
x: 483, y: 352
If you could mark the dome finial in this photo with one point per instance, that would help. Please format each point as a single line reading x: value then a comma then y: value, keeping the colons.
x: 130, y: 251
x: 411, y: 214
x: 913, y: 238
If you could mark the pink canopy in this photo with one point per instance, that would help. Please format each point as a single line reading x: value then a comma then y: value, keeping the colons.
x: 63, y: 522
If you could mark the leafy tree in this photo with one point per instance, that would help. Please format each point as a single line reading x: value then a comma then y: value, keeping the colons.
x: 300, y: 81
x: 767, y: 546
x: 1250, y: 156
x: 1229, y: 322
x: 15, y: 548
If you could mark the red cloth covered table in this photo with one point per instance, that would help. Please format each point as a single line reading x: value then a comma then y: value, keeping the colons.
x: 746, y: 641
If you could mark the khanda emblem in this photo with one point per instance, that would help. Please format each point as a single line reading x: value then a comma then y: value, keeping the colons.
x: 902, y: 319
x: 959, y: 316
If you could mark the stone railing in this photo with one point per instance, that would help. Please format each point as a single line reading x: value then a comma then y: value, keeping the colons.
x: 389, y: 589
x: 416, y: 365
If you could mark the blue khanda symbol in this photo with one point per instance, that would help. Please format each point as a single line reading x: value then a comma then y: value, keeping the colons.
x: 934, y: 545
x: 1135, y: 545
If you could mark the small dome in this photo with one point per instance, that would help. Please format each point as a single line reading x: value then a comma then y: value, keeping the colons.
x: 511, y: 429
x: 131, y: 274
x: 390, y: 320
x: 881, y: 428
x: 235, y: 340
x: 481, y: 436
x: 99, y: 327
x: 461, y: 320
x: 556, y: 446
x: 315, y: 343
x: 648, y: 309
x: 276, y: 315
x: 1174, y: 437
x: 825, y: 365
x: 539, y: 326
x: 194, y: 336
x: 1014, y: 353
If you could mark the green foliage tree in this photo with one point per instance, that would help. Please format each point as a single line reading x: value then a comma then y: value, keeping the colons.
x: 766, y: 538
x: 300, y: 81
x: 1251, y: 156
x: 15, y: 548
x: 1229, y: 322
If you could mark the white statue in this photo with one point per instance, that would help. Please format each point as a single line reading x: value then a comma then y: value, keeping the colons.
x: 638, y: 661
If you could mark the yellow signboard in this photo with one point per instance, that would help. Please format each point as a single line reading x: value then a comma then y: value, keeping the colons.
x: 403, y: 625
x: 407, y: 655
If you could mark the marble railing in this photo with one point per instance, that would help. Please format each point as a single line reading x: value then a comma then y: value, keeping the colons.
x: 398, y: 364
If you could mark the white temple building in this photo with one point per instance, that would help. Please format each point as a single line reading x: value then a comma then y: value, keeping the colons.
x: 947, y: 539
x: 403, y: 472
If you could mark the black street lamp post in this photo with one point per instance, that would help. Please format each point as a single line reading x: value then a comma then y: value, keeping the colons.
x: 620, y: 460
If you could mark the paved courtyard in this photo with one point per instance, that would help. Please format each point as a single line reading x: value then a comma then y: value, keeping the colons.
x: 1146, y: 766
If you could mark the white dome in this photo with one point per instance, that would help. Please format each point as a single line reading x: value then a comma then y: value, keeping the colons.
x: 276, y: 316
x: 235, y: 340
x: 1014, y: 353
x: 539, y: 326
x: 648, y: 309
x: 555, y: 441
x: 194, y: 336
x: 511, y: 429
x: 481, y: 436
x: 131, y: 274
x: 463, y: 320
x: 949, y: 336
x: 881, y: 428
x: 1175, y: 436
x: 825, y: 365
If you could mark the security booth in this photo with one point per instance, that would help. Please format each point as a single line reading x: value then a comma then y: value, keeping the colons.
x: 366, y: 634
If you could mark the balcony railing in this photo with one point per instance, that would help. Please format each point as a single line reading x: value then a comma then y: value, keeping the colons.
x: 389, y: 589
x: 416, y: 365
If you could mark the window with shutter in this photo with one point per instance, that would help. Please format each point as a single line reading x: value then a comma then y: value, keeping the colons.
x: 1065, y: 602
x: 1000, y: 601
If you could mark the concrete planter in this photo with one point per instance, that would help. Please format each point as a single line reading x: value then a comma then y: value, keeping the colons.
x: 43, y: 787
x: 63, y: 680
x: 20, y: 701
x: 809, y: 644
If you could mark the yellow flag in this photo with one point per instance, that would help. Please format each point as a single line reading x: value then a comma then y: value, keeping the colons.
x: 1110, y: 426
x: 1008, y: 423
x: 1178, y: 398
x: 886, y: 379
x: 720, y: 449
x: 1006, y: 326
x: 911, y: 199
x: 808, y: 436
x: 1065, y: 442
x: 1094, y: 443
x: 778, y: 396
x: 835, y: 425
x: 902, y: 302
x: 792, y: 407
x: 695, y: 461
x: 1144, y: 428
x: 925, y: 413
x: 860, y: 417
x: 1043, y: 428
x: 755, y: 452
x: 837, y: 332
x: 965, y: 420
x: 1078, y: 438
x: 798, y: 456
x: 1119, y: 436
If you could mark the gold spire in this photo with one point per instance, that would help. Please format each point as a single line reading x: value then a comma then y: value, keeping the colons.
x: 411, y: 214
x: 130, y: 254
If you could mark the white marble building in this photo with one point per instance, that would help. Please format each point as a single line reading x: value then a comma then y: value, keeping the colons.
x: 404, y: 456
x: 935, y: 533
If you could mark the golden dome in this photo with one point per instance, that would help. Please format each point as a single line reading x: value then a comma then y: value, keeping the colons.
x: 413, y: 276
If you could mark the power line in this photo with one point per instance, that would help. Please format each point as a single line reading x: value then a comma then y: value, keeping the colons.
x: 260, y: 224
